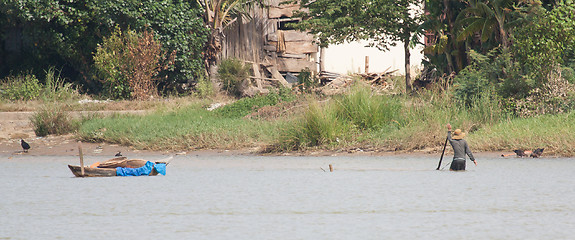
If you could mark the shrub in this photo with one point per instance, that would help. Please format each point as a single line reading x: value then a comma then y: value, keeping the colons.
x: 306, y: 80
x: 129, y: 64
x: 232, y: 72
x: 204, y: 87
x: 556, y: 96
x: 21, y: 87
x: 53, y: 119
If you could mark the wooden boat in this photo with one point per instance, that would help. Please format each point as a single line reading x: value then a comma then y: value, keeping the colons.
x: 92, y: 172
x: 108, y: 168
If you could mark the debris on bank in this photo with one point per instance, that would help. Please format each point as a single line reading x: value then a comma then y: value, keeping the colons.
x: 334, y: 83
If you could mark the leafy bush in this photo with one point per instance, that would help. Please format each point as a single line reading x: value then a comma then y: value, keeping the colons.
x: 204, y: 87
x: 556, y: 96
x: 53, y: 119
x: 129, y: 64
x: 306, y: 80
x: 21, y: 87
x: 66, y: 33
x: 232, y: 72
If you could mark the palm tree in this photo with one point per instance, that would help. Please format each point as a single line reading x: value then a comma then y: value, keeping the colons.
x: 440, y: 22
x: 488, y: 18
x: 218, y: 15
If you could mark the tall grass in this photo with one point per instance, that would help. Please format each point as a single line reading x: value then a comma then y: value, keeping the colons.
x: 552, y: 132
x: 389, y: 122
x: 27, y: 87
x: 366, y: 110
x: 56, y: 89
x: 53, y: 119
x: 319, y: 125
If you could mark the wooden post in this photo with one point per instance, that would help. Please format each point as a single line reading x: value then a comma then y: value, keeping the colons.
x: 330, y: 168
x: 322, y: 59
x: 257, y: 75
x: 366, y: 64
x: 81, y: 157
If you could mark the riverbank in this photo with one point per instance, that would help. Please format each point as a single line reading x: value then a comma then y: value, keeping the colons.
x: 16, y: 125
x: 67, y: 145
x: 283, y: 124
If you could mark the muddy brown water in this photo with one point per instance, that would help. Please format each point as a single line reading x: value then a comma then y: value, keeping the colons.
x: 290, y: 197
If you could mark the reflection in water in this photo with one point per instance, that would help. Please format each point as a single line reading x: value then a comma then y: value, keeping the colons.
x: 254, y: 197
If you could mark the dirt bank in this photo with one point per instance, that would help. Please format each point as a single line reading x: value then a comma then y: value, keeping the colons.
x: 16, y: 125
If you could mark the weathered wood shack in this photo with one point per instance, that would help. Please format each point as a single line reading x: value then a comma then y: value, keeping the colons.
x: 267, y: 41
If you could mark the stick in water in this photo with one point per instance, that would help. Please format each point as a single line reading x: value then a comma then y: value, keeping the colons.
x: 81, y: 157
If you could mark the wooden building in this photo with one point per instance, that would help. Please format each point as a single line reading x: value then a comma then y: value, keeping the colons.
x: 266, y: 41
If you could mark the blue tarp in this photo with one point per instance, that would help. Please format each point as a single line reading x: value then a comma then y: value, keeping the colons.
x: 145, y: 170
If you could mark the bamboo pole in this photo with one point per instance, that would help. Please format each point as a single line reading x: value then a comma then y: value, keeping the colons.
x: 81, y: 157
x: 366, y: 64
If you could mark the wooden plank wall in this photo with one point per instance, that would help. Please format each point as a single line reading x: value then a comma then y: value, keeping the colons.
x: 245, y: 38
x: 256, y: 39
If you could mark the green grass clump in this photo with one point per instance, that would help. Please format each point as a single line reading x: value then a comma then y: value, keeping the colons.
x: 245, y: 106
x: 365, y: 110
x: 53, y: 119
x: 320, y: 125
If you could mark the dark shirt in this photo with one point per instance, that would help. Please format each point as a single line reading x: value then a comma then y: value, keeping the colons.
x: 460, y: 148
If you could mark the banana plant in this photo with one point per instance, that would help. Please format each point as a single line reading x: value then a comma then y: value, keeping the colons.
x: 486, y: 17
x: 218, y: 15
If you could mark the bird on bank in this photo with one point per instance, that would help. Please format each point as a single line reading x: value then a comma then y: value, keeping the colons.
x: 25, y: 145
x: 526, y: 153
x: 119, y: 154
x: 537, y: 152
x: 521, y: 153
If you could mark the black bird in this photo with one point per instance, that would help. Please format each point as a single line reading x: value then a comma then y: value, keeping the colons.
x: 25, y: 145
x: 537, y: 152
x: 119, y: 154
x: 520, y: 153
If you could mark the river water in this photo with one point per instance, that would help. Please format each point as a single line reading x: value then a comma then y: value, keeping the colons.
x: 291, y: 197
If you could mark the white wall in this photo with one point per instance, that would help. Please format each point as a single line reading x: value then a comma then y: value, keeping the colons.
x: 349, y: 57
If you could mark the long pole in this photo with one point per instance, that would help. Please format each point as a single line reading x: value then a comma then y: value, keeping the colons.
x: 81, y: 157
x: 441, y: 158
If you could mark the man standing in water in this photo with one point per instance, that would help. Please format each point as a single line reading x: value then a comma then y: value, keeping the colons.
x: 460, y: 149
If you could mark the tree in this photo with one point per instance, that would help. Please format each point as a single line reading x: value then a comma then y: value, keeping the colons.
x: 218, y: 15
x: 445, y: 52
x: 546, y: 41
x: 382, y: 23
x: 65, y: 34
x: 489, y: 18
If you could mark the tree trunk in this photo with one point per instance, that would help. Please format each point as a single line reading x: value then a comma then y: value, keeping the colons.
x: 447, y: 14
x: 212, y: 58
x: 407, y: 65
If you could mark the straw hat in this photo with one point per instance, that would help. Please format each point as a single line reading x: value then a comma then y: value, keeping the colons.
x: 458, y: 134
